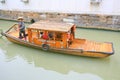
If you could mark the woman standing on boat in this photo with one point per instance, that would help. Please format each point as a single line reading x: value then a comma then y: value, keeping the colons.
x: 21, y: 27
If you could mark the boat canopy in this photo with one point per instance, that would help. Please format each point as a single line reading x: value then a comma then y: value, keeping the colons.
x: 51, y: 26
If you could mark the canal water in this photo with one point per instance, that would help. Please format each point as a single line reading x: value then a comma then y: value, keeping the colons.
x: 23, y: 63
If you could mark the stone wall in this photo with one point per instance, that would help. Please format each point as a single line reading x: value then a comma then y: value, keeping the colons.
x: 82, y: 20
x: 97, y: 20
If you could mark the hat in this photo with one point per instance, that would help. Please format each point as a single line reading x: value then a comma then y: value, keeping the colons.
x: 20, y: 18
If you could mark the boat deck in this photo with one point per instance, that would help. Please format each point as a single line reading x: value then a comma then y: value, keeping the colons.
x: 16, y: 34
x: 83, y: 44
x: 91, y: 46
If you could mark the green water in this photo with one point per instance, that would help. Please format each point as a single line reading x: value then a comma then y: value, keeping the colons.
x: 24, y: 63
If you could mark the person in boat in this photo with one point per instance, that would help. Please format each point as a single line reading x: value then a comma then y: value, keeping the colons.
x: 50, y: 35
x: 45, y: 35
x: 32, y: 21
x: 41, y: 34
x: 21, y: 27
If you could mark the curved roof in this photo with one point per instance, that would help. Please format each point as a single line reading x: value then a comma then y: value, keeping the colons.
x: 51, y: 26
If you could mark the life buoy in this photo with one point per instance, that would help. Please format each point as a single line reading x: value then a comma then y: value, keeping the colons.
x: 45, y: 47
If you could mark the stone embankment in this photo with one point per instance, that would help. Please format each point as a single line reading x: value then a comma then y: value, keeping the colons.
x: 98, y: 21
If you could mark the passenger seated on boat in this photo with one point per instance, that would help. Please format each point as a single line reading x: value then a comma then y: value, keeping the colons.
x: 45, y: 36
x: 69, y: 38
x: 50, y: 34
x: 32, y: 21
x: 58, y: 37
x: 41, y: 34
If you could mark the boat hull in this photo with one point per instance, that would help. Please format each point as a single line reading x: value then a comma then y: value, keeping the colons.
x: 58, y: 50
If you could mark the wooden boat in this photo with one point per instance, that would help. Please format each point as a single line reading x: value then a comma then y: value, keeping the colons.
x: 59, y: 37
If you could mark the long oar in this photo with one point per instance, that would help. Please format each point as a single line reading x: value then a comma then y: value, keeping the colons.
x: 1, y: 33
